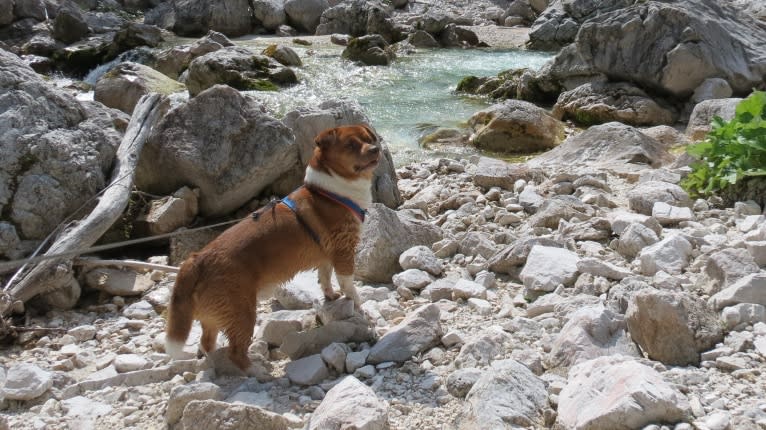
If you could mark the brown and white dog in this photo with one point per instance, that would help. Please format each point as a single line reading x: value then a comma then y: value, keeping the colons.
x: 317, y: 226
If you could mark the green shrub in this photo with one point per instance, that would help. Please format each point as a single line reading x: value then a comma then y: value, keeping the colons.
x: 733, y: 150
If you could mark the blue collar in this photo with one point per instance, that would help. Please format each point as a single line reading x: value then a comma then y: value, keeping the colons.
x: 343, y: 201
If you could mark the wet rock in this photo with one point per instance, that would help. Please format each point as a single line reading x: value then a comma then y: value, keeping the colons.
x: 270, y: 13
x: 126, y: 83
x: 196, y: 17
x: 591, y: 399
x: 597, y: 103
x: 284, y: 55
x: 238, y: 68
x: 419, y: 331
x: 371, y: 50
x: 507, y: 392
x: 515, y: 126
x: 369, y: 411
x: 672, y: 327
x: 305, y: 14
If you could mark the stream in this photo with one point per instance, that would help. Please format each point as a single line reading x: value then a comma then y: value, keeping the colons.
x: 404, y: 101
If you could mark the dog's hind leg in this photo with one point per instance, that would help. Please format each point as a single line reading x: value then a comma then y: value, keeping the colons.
x: 209, y: 336
x: 325, y: 281
x: 347, y: 286
x: 239, y: 331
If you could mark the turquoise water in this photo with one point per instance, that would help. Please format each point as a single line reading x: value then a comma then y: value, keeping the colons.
x: 414, y: 94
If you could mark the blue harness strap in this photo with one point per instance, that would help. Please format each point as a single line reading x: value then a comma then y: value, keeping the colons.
x: 290, y: 203
x: 343, y: 201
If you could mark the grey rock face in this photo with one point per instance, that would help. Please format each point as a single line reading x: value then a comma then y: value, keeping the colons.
x: 507, y: 392
x: 607, y: 144
x: 368, y: 412
x: 417, y: 332
x: 385, y: 235
x: 253, y: 150
x: 672, y: 327
x: 196, y: 17
x: 305, y: 14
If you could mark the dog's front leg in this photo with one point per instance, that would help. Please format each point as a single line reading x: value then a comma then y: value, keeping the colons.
x: 325, y: 281
x: 344, y: 271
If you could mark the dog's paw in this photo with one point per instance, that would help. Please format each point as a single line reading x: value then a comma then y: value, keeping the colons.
x: 331, y: 295
x: 259, y: 372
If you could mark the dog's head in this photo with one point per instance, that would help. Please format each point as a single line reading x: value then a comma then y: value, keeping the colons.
x: 351, y: 151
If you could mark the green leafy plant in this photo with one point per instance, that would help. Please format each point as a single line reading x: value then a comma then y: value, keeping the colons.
x: 733, y: 150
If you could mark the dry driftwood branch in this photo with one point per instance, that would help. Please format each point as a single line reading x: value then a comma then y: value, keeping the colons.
x: 55, y: 274
x: 92, y: 262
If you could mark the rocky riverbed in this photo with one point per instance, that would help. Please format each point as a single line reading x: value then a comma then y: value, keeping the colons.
x: 581, y: 289
x: 589, y: 298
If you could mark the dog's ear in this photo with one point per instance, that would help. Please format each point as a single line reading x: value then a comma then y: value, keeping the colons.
x: 371, y: 132
x: 326, y: 138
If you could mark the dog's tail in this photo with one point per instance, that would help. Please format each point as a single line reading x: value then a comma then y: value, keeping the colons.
x: 181, y: 309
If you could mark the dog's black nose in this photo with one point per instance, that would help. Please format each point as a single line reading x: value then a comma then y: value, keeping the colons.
x: 374, y: 150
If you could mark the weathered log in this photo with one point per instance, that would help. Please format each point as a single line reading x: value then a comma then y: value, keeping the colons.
x: 92, y: 262
x: 55, y: 275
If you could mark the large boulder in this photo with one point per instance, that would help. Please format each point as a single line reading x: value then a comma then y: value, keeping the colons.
x: 673, y: 328
x: 598, y: 103
x: 304, y: 14
x: 515, y: 126
x: 307, y: 122
x: 358, y: 18
x: 371, y: 50
x: 196, y: 17
x: 558, y: 24
x: 386, y: 234
x: 673, y: 47
x: 69, y: 25
x: 270, y: 13
x: 53, y: 164
x: 611, y: 144
x: 618, y: 392
x: 126, y: 83
x: 238, y: 68
x: 251, y: 150
x: 173, y: 61
x: 508, y: 392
